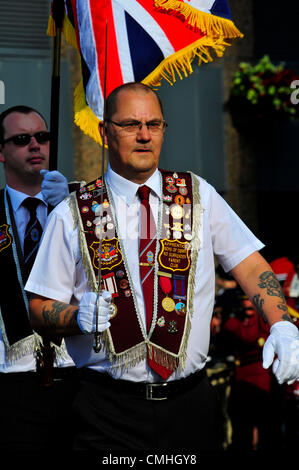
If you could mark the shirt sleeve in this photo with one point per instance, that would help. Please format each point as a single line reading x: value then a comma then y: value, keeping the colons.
x: 232, y: 240
x: 54, y: 272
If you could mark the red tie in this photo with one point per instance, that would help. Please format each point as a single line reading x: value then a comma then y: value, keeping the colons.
x: 147, y: 248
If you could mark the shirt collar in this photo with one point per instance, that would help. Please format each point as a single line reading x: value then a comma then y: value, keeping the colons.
x: 17, y: 197
x: 127, y: 189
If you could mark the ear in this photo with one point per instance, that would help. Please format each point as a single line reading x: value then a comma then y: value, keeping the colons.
x: 101, y: 131
x: 2, y: 158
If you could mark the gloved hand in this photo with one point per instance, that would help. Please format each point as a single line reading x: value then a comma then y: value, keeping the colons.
x: 284, y: 342
x: 54, y: 187
x: 86, y: 317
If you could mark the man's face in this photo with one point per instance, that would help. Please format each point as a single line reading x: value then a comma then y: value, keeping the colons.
x: 134, y: 156
x: 23, y: 163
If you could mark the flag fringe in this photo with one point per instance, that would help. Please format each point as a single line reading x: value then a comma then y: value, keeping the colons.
x: 212, y: 25
x: 67, y: 28
x: 178, y: 64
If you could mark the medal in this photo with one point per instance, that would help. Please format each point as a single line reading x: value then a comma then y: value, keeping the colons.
x: 171, y: 188
x: 167, y: 303
x: 183, y: 190
x: 113, y: 310
x: 177, y: 212
x: 169, y: 179
x: 179, y: 199
x: 180, y: 308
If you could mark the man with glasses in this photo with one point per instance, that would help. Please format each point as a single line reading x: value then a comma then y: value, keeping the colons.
x: 32, y: 403
x: 133, y: 262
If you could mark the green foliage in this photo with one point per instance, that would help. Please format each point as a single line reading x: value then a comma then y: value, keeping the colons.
x: 265, y: 87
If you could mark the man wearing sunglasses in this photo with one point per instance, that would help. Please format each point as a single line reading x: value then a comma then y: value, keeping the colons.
x: 156, y: 235
x: 32, y: 404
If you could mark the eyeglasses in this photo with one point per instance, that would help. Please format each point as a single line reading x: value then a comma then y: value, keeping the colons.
x: 132, y: 127
x: 20, y: 140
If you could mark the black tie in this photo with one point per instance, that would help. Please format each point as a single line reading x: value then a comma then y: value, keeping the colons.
x: 33, y: 234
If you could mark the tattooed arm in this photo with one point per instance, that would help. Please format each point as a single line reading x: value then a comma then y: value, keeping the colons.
x: 51, y: 317
x: 258, y: 281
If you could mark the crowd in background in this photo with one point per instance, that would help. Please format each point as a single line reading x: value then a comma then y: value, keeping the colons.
x: 248, y: 392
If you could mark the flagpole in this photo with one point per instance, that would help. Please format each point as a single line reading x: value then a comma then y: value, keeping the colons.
x: 58, y: 15
x: 47, y: 350
x: 97, y: 335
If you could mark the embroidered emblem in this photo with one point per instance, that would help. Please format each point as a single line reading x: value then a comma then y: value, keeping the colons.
x: 175, y: 255
x: 84, y: 209
x: 5, y: 238
x: 111, y: 255
x: 167, y: 198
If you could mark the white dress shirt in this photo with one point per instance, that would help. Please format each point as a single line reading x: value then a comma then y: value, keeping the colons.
x: 222, y: 234
x: 21, y: 216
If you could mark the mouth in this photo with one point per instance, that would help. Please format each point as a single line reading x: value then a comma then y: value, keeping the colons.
x: 36, y: 159
x: 143, y: 150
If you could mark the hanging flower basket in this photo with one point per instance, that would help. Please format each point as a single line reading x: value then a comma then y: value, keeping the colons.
x: 262, y: 94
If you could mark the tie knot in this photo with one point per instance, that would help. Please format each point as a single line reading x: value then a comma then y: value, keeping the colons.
x: 31, y: 204
x: 143, y: 192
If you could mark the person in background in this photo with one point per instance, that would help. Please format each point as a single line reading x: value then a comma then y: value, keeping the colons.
x: 35, y: 409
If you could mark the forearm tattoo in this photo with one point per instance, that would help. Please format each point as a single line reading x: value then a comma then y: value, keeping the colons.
x: 269, y: 282
x: 54, y: 318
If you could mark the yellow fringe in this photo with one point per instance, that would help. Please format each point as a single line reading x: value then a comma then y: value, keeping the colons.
x: 212, y: 25
x: 84, y: 116
x: 293, y: 312
x: 178, y: 64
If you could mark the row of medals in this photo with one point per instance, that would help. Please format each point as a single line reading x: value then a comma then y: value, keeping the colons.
x: 178, y: 192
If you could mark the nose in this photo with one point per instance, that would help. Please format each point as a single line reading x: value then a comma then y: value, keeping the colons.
x: 33, y: 142
x: 143, y: 132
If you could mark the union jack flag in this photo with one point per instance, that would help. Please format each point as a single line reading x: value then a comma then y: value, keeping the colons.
x: 147, y: 41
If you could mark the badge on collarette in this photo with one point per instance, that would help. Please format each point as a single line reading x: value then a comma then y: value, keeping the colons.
x: 175, y: 255
x: 5, y: 237
x: 111, y: 255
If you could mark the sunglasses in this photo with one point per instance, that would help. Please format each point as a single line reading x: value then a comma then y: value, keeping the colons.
x: 20, y: 140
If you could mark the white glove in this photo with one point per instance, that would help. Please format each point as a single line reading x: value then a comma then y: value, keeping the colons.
x: 54, y: 187
x: 86, y: 317
x: 284, y: 342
